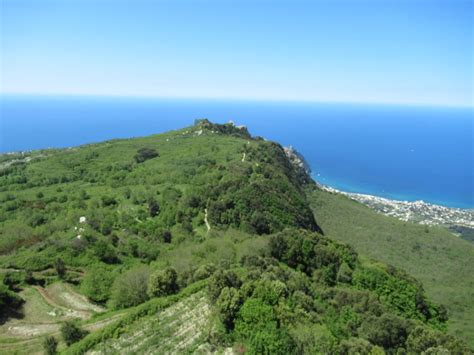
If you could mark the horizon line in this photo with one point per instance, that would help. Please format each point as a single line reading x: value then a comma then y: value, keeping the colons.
x: 253, y: 99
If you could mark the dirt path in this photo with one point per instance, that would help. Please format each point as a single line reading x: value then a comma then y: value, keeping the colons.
x: 73, y: 313
x: 208, y: 226
x: 43, y: 312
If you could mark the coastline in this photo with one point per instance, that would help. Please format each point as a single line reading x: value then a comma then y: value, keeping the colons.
x: 414, y: 211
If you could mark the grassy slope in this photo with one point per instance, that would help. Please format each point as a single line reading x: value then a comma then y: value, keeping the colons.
x: 442, y: 261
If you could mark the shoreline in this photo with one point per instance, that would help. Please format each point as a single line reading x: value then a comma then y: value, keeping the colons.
x: 402, y: 197
x: 414, y: 211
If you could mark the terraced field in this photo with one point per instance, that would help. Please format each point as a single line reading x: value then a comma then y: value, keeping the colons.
x: 42, y: 314
x: 177, y: 329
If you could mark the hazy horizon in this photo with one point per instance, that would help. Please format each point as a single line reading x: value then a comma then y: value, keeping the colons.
x: 409, y: 53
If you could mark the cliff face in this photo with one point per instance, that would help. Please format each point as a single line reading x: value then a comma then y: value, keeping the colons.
x: 301, y: 166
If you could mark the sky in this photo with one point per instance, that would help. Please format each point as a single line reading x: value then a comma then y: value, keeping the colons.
x: 379, y: 51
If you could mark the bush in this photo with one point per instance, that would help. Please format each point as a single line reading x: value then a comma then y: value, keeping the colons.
x: 153, y: 207
x: 163, y: 283
x: 97, y: 283
x: 144, y: 154
x: 71, y: 333
x: 8, y: 298
x: 50, y: 345
x: 108, y: 201
x: 130, y: 288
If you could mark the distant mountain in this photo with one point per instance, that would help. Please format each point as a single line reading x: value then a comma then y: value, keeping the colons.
x: 204, y: 239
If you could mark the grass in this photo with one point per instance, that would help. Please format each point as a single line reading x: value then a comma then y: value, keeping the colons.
x: 443, y: 262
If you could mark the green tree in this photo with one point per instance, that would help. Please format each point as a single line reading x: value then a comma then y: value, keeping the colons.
x: 105, y: 252
x: 227, y: 306
x: 8, y: 298
x: 130, y: 288
x: 163, y: 282
x: 97, y: 283
x: 219, y: 280
x: 388, y: 331
x: 71, y: 333
x: 421, y: 339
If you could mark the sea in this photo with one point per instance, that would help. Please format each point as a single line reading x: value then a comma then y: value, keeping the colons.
x: 393, y: 151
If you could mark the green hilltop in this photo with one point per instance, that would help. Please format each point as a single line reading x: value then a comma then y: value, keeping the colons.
x: 207, y: 239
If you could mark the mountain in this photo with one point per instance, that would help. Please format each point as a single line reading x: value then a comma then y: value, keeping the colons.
x: 204, y: 239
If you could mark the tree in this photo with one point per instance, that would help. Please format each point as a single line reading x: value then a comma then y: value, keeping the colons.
x: 421, y: 339
x: 163, y: 282
x: 227, y: 305
x: 388, y: 331
x: 144, y: 154
x: 105, y: 252
x: 221, y: 279
x: 50, y: 345
x: 60, y: 268
x: 260, y: 223
x: 130, y: 288
x: 71, y: 333
x: 344, y: 274
x: 257, y: 325
x: 97, y: 282
x: 8, y: 298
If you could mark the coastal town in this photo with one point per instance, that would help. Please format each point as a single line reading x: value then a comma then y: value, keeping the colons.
x: 414, y: 211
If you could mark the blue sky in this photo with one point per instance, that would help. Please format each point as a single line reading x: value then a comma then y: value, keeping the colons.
x: 404, y: 51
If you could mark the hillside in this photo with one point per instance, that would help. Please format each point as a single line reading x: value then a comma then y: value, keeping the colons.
x: 442, y: 261
x: 198, y: 239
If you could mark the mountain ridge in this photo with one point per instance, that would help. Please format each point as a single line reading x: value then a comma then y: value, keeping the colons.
x: 114, y: 212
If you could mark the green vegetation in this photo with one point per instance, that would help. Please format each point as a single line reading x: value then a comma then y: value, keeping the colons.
x: 283, y: 296
x: 139, y: 227
x: 50, y: 345
x: 440, y: 260
x: 71, y: 333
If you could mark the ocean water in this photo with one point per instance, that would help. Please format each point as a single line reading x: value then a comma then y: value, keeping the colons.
x: 400, y: 152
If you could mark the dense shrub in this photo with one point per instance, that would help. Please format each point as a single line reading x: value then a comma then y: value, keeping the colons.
x: 163, y: 283
x: 71, y: 333
x: 97, y: 283
x: 387, y: 331
x: 144, y: 154
x: 130, y: 288
x: 50, y: 345
x: 219, y: 280
x: 257, y: 327
x: 8, y: 298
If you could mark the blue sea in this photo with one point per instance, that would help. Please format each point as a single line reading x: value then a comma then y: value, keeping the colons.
x: 398, y: 152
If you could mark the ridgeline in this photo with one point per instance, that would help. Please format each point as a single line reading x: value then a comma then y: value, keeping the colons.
x: 204, y: 239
